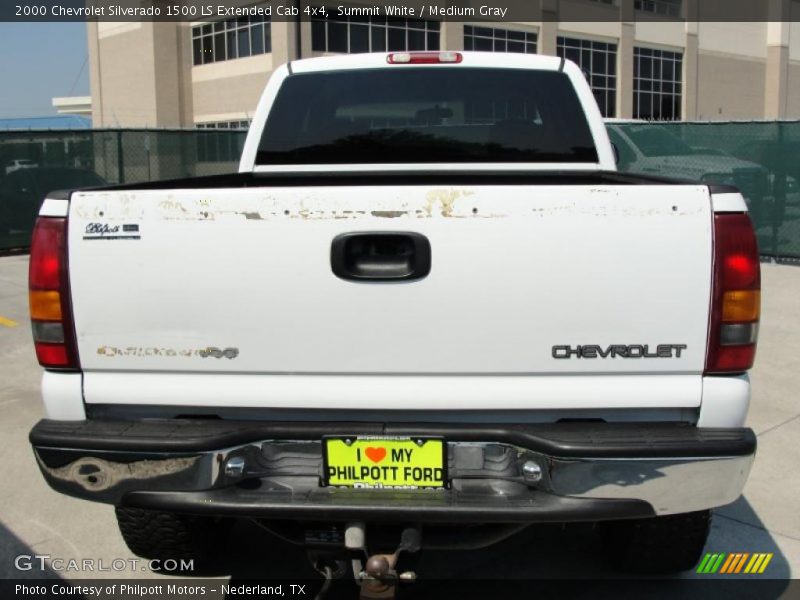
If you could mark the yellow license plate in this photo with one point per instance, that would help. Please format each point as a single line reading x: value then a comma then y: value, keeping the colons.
x: 364, y: 462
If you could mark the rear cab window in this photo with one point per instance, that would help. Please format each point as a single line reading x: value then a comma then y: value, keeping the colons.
x: 433, y: 115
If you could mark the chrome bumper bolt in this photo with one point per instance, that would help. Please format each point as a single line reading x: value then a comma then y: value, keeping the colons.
x: 234, y: 467
x: 531, y: 471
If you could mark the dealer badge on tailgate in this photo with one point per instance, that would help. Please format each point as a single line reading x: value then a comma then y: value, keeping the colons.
x: 372, y: 462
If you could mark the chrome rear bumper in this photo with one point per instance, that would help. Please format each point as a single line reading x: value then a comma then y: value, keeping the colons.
x: 500, y: 473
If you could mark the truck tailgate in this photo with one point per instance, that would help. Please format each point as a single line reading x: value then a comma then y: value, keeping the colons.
x: 171, y: 284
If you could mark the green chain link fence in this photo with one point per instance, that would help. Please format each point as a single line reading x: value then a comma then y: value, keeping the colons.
x: 33, y: 163
x: 761, y: 158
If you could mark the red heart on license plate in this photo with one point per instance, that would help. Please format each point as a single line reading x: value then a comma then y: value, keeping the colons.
x: 376, y: 455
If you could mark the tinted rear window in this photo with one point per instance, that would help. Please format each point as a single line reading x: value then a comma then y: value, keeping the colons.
x: 408, y: 115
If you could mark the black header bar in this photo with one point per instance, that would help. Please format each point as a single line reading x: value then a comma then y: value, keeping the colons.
x: 474, y: 11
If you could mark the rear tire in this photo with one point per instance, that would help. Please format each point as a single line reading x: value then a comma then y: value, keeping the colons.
x: 669, y: 544
x: 158, y: 535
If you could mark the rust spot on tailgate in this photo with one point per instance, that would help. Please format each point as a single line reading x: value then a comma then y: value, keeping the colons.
x: 445, y: 201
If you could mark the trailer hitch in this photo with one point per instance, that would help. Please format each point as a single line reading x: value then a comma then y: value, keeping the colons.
x: 379, y: 577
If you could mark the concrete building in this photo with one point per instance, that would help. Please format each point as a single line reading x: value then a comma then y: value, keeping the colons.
x: 664, y: 66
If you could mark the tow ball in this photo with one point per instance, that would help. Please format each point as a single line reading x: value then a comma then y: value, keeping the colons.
x: 378, y: 577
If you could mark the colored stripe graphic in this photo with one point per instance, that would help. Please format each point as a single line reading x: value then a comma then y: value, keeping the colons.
x: 767, y: 558
x: 740, y: 564
x: 711, y: 563
x: 754, y: 563
x: 701, y: 568
x: 717, y: 563
x: 729, y: 564
x: 734, y: 563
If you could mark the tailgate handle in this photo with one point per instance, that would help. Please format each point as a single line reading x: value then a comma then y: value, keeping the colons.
x: 381, y: 256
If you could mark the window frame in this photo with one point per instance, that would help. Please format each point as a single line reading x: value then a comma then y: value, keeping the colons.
x: 665, y: 8
x: 225, y: 38
x: 605, y: 95
x: 655, y: 85
x: 430, y: 32
x: 237, y: 124
x: 473, y: 33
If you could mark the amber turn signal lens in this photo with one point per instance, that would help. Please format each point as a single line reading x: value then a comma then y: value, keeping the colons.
x: 45, y: 305
x: 741, y: 306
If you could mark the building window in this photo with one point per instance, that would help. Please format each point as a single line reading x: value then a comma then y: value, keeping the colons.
x: 224, y: 125
x: 657, y: 84
x: 234, y: 38
x: 488, y: 39
x: 373, y: 34
x: 667, y: 8
x: 598, y: 61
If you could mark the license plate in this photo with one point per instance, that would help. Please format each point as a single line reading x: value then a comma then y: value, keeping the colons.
x: 364, y: 462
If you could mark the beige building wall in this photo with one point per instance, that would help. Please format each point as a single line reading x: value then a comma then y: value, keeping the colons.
x: 667, y: 34
x: 729, y: 87
x: 122, y: 88
x: 139, y: 74
x: 451, y: 36
x: 624, y: 101
x: 690, y: 82
x: 793, y: 91
x: 731, y: 70
x: 215, y: 85
x: 793, y: 64
x: 172, y: 58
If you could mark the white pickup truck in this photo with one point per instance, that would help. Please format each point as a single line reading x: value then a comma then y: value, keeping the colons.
x: 428, y: 304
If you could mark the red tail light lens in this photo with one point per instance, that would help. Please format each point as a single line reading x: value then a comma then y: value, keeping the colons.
x: 51, y: 311
x: 736, y: 295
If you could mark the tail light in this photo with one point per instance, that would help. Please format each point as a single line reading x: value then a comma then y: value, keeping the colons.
x: 736, y: 295
x: 51, y: 310
x: 423, y: 58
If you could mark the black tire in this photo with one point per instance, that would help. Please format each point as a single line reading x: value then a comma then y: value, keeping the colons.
x: 162, y: 536
x: 669, y: 544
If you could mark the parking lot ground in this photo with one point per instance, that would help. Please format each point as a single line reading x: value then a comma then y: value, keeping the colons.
x: 37, y: 520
